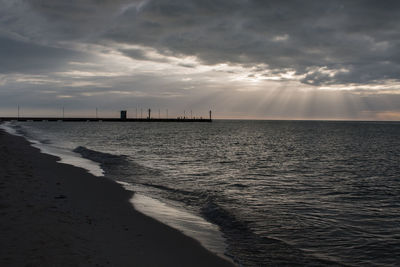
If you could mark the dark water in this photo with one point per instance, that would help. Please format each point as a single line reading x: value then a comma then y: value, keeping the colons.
x: 282, y: 192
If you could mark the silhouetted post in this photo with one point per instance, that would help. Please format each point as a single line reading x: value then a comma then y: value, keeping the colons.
x: 210, y: 114
x: 184, y: 114
x: 149, y: 114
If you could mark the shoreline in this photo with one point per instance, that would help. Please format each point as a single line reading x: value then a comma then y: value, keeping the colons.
x: 53, y: 214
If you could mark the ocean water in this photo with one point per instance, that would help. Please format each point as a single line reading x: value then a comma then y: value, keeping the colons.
x: 262, y: 192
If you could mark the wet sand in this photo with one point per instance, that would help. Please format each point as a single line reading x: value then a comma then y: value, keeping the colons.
x: 53, y: 214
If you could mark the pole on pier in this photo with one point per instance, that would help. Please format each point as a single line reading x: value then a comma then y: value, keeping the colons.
x: 149, y: 114
x: 210, y: 114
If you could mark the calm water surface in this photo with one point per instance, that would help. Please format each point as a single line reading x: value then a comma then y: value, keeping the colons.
x: 281, y: 192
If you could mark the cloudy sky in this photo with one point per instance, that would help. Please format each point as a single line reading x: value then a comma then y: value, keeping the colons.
x: 241, y: 58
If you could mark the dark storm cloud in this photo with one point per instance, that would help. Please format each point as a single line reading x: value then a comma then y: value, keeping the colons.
x: 140, y: 54
x: 77, y: 19
x: 361, y: 37
x: 24, y: 57
x: 135, y: 53
x: 328, y: 42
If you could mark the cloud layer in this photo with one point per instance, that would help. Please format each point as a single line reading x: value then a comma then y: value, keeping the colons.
x: 360, y: 37
x: 330, y: 44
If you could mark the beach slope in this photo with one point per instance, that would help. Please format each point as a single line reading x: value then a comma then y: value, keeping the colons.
x: 53, y: 214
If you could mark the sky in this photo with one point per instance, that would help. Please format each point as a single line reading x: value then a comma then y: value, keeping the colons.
x: 243, y: 59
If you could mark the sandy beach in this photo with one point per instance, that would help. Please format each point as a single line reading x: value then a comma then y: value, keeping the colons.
x: 54, y: 214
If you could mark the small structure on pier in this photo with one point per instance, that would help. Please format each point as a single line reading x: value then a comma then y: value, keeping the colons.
x: 123, y: 114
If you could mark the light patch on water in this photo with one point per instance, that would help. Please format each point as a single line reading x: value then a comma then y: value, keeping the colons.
x: 206, y: 233
x: 71, y: 158
x: 66, y: 156
x: 6, y: 126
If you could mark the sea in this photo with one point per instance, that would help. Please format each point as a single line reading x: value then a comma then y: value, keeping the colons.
x: 261, y: 193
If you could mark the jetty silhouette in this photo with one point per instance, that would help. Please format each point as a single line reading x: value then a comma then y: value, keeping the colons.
x: 123, y: 118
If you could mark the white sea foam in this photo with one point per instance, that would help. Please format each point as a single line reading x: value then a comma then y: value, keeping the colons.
x: 206, y: 233
x: 66, y: 156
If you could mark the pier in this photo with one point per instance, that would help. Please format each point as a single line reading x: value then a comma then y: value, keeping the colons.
x: 104, y: 119
x: 123, y: 118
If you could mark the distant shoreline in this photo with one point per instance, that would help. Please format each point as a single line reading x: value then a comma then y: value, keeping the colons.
x: 54, y: 214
